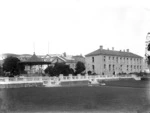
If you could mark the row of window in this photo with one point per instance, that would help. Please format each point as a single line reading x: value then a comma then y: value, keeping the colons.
x: 123, y: 58
x: 131, y: 66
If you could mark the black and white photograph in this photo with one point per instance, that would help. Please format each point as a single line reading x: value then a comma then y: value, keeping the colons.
x: 74, y: 56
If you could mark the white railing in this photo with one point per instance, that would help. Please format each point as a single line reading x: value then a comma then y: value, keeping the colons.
x: 61, y: 78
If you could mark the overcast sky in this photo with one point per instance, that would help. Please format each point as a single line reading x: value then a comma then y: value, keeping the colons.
x: 73, y: 26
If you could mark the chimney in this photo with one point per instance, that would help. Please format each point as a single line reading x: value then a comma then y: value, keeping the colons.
x: 64, y: 54
x: 101, y: 47
x: 113, y: 48
x: 127, y: 50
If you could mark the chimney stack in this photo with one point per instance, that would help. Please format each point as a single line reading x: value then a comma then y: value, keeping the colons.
x: 101, y: 47
x: 113, y: 48
x: 64, y: 54
x: 127, y: 50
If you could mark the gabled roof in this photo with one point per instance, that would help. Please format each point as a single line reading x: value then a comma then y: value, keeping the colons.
x: 68, y: 59
x: 112, y: 53
x: 65, y: 59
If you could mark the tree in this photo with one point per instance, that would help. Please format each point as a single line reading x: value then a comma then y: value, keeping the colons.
x: 80, y: 67
x: 148, y: 60
x: 11, y: 65
x: 1, y: 71
x: 89, y: 72
x: 49, y: 70
x: 57, y: 69
x: 71, y: 71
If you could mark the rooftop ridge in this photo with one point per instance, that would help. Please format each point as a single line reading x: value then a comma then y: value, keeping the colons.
x: 112, y: 53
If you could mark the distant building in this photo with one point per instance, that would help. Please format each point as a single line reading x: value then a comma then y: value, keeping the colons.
x: 107, y: 62
x: 78, y: 58
x: 68, y: 60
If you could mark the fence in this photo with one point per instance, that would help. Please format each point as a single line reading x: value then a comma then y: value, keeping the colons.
x: 61, y: 78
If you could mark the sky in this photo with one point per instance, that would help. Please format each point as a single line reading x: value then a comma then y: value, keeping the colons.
x: 73, y: 26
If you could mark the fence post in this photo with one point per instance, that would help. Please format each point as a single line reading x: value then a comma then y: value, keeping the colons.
x: 6, y: 79
x: 61, y: 77
x: 79, y: 76
x: 70, y: 76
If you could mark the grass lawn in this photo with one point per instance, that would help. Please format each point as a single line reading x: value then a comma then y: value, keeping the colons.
x: 107, y: 98
x: 129, y: 83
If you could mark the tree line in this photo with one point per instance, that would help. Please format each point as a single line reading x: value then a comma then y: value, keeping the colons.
x: 11, y: 66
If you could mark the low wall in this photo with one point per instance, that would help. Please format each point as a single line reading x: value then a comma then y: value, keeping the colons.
x: 56, y: 81
x: 21, y: 85
x: 75, y: 83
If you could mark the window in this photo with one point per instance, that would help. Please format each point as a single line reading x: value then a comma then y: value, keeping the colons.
x: 109, y: 57
x: 109, y: 67
x: 104, y: 58
x: 113, y: 58
x: 113, y: 67
x: 117, y: 59
x: 127, y: 67
x: 134, y: 67
x: 93, y: 67
x: 121, y: 66
x: 92, y: 59
x: 104, y: 66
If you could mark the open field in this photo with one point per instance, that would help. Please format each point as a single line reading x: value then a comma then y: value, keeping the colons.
x: 109, y: 98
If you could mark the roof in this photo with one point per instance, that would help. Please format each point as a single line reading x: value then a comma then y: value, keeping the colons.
x: 65, y: 59
x: 112, y: 53
x: 78, y: 56
x: 34, y: 60
x: 68, y: 59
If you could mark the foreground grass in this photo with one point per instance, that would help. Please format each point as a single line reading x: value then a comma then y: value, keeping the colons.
x: 75, y: 99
